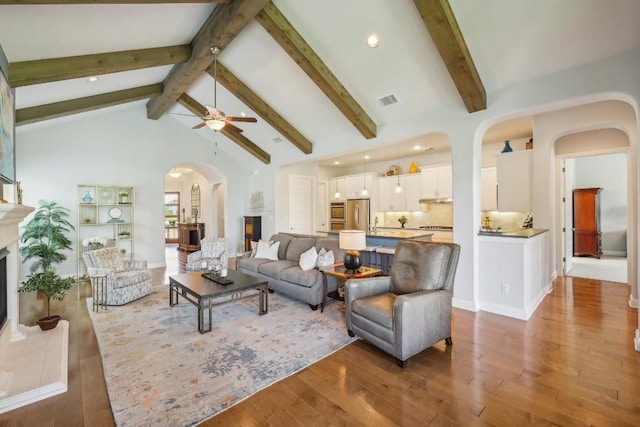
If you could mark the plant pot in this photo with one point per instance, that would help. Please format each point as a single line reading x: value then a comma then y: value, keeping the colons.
x: 49, y: 322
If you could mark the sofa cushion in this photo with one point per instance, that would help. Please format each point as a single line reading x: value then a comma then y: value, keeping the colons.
x: 128, y: 278
x: 303, y: 278
x: 267, y: 251
x: 308, y: 259
x: 275, y: 268
x: 252, y: 264
x: 331, y: 244
x: 284, y: 244
x: 297, y: 246
x: 325, y: 258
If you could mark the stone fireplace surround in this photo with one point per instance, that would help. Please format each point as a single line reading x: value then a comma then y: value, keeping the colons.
x: 33, y: 363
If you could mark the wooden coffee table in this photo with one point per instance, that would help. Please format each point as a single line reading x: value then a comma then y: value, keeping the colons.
x: 342, y: 274
x: 202, y: 292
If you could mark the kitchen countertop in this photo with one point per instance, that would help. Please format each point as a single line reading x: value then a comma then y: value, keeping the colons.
x: 524, y: 233
x: 392, y: 234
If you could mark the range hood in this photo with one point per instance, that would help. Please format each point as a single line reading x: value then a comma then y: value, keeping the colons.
x: 435, y: 200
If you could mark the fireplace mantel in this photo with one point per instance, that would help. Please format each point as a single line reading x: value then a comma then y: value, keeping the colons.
x: 22, y: 346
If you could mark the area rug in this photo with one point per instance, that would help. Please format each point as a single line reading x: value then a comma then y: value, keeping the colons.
x: 160, y: 371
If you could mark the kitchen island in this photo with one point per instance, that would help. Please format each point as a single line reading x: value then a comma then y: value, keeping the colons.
x: 390, y: 238
x: 381, y: 245
x: 513, y: 271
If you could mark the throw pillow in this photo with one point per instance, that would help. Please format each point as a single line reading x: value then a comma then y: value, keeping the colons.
x: 308, y: 259
x: 267, y: 251
x: 325, y: 258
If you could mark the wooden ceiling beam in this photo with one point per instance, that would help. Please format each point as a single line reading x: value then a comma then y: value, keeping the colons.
x: 222, y: 26
x: 67, y: 2
x: 200, y: 110
x: 241, y: 91
x: 50, y: 70
x: 292, y: 42
x: 80, y: 105
x: 443, y: 27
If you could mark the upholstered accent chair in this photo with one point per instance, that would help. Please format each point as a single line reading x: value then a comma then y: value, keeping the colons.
x: 127, y: 280
x: 212, y: 252
x: 410, y: 310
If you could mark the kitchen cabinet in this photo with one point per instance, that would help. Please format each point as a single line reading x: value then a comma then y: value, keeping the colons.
x: 407, y: 200
x: 338, y: 184
x: 587, y: 237
x: 489, y: 188
x: 355, y: 184
x: 514, y: 172
x: 388, y: 199
x: 436, y: 182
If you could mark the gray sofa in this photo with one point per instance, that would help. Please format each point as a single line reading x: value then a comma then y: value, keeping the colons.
x: 285, y: 274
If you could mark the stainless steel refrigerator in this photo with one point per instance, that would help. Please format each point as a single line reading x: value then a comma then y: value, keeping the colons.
x: 358, y: 214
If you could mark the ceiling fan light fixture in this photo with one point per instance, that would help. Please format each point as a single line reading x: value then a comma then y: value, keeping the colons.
x: 215, y: 124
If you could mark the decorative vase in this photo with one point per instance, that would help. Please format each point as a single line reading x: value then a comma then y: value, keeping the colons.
x: 507, y: 148
x: 87, y: 197
x: 413, y: 168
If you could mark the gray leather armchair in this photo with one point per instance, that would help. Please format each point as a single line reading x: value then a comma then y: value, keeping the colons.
x: 410, y: 310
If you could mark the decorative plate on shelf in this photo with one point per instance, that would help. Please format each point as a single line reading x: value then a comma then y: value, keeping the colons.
x: 115, y: 213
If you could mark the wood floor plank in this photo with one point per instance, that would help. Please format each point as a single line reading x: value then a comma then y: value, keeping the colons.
x: 572, y: 364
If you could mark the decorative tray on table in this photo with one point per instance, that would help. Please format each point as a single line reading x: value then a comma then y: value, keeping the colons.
x: 217, y: 278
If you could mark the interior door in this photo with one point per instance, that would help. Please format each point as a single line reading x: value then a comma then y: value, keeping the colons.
x: 301, y: 204
x: 568, y: 167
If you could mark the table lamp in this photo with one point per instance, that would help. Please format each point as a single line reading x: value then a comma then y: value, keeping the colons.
x: 352, y: 241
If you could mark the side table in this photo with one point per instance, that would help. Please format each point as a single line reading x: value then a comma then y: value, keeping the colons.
x: 99, y: 291
x: 342, y: 274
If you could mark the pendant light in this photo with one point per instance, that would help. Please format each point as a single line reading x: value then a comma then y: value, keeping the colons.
x: 337, y: 193
x: 398, y: 188
x: 364, y: 192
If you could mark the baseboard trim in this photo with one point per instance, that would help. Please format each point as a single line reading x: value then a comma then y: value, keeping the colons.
x: 633, y: 302
x: 620, y: 254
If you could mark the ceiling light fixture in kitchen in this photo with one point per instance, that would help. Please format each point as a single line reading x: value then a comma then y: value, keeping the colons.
x: 364, y: 192
x: 336, y: 195
x: 398, y: 188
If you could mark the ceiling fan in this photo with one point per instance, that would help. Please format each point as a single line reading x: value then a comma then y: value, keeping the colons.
x: 216, y: 119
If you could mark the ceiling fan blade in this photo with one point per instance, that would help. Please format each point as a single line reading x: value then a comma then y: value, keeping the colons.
x: 232, y: 127
x: 242, y: 119
x: 199, y: 125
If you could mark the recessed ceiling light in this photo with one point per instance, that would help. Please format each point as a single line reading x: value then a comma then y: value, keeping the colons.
x: 373, y: 41
x: 417, y: 147
x: 337, y: 162
x: 92, y: 79
x: 366, y: 156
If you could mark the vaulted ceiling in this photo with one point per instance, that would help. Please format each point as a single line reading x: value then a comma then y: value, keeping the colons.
x: 302, y: 68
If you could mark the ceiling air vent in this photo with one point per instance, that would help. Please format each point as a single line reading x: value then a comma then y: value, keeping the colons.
x: 385, y: 101
x: 276, y: 139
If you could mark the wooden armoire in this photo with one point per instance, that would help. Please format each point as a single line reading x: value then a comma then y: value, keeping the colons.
x: 586, y: 222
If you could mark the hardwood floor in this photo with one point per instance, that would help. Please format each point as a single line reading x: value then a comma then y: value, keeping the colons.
x: 572, y: 363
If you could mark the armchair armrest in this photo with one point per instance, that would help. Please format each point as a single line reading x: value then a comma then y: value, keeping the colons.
x: 413, y: 312
x: 133, y: 265
x: 360, y: 288
x: 194, y: 256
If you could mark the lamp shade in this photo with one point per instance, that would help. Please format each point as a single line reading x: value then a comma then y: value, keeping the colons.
x: 352, y: 239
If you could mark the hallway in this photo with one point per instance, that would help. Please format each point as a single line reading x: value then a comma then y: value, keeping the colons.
x: 609, y: 268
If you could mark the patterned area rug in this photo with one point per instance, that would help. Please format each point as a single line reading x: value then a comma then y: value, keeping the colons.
x: 160, y: 371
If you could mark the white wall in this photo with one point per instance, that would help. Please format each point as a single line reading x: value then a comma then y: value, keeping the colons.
x: 122, y: 147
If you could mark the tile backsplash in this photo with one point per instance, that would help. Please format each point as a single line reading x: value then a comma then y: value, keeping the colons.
x: 434, y: 214
x: 504, y: 220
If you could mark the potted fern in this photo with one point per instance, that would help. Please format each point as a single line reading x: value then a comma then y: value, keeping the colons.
x: 44, y: 238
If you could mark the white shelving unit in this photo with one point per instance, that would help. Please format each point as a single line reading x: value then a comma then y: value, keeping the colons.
x: 106, y: 211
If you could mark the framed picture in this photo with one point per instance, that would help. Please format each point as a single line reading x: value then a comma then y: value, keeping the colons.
x: 7, y: 131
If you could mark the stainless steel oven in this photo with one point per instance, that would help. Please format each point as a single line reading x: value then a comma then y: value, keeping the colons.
x: 338, y: 216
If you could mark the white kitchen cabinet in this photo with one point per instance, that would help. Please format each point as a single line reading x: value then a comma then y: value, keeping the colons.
x: 388, y: 199
x: 514, y: 172
x: 489, y: 188
x: 338, y: 184
x: 436, y: 182
x: 355, y: 184
x: 412, y: 191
